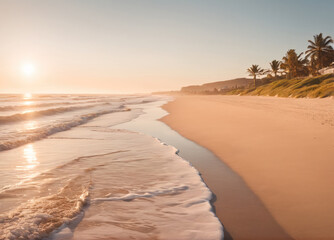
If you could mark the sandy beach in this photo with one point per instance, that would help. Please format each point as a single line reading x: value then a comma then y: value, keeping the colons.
x: 282, y: 148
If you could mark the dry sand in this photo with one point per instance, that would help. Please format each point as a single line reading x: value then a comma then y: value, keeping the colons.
x: 283, y: 149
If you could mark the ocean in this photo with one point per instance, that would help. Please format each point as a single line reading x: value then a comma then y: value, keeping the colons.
x: 69, y: 170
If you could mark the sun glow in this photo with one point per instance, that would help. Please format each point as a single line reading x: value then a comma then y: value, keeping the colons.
x: 28, y: 103
x: 27, y: 96
x: 28, y: 69
x: 31, y: 125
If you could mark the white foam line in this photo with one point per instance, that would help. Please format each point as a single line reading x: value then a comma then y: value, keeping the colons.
x: 131, y: 196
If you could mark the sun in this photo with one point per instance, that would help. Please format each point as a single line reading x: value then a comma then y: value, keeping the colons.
x: 28, y: 69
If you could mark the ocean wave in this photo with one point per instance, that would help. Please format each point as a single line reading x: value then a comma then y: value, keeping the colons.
x: 120, y: 188
x: 125, y: 185
x: 41, y: 113
x: 37, y: 219
x: 43, y: 132
x: 49, y: 104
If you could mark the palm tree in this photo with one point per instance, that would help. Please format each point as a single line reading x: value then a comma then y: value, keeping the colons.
x: 320, y: 48
x: 312, y: 67
x: 275, y: 65
x: 293, y: 65
x: 255, y: 71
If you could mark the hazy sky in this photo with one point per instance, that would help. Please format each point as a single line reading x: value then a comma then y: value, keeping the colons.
x: 141, y: 46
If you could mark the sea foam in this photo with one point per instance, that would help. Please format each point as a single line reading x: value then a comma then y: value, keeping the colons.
x: 94, y: 182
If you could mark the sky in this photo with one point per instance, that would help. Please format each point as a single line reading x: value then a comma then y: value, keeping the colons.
x: 106, y: 46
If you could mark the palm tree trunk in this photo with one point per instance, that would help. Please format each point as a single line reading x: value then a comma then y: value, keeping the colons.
x: 254, y: 80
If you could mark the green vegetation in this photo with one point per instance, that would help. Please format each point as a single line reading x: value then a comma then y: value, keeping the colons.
x: 293, y: 65
x: 312, y: 87
x: 301, y: 75
x: 296, y: 75
x: 320, y: 51
x: 319, y: 54
x: 255, y: 71
x: 275, y: 66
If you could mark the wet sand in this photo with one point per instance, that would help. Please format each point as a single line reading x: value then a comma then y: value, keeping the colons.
x: 230, y: 190
x: 281, y: 148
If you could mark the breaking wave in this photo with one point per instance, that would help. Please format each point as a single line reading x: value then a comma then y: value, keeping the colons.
x: 95, y: 182
x: 34, y: 114
x: 46, y: 131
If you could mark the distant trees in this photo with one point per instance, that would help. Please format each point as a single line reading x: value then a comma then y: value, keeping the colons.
x: 293, y: 64
x: 319, y: 54
x: 255, y: 71
x: 275, y: 66
x: 312, y: 67
x: 320, y: 51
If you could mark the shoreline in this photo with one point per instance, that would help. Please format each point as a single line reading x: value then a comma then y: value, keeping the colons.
x: 278, y: 137
x: 241, y: 224
x: 155, y: 193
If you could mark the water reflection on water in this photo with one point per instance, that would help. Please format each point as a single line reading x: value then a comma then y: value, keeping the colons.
x: 28, y: 103
x: 27, y: 96
x: 30, y: 161
x: 30, y: 125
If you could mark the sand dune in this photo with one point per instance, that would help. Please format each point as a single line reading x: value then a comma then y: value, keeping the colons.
x: 283, y: 148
